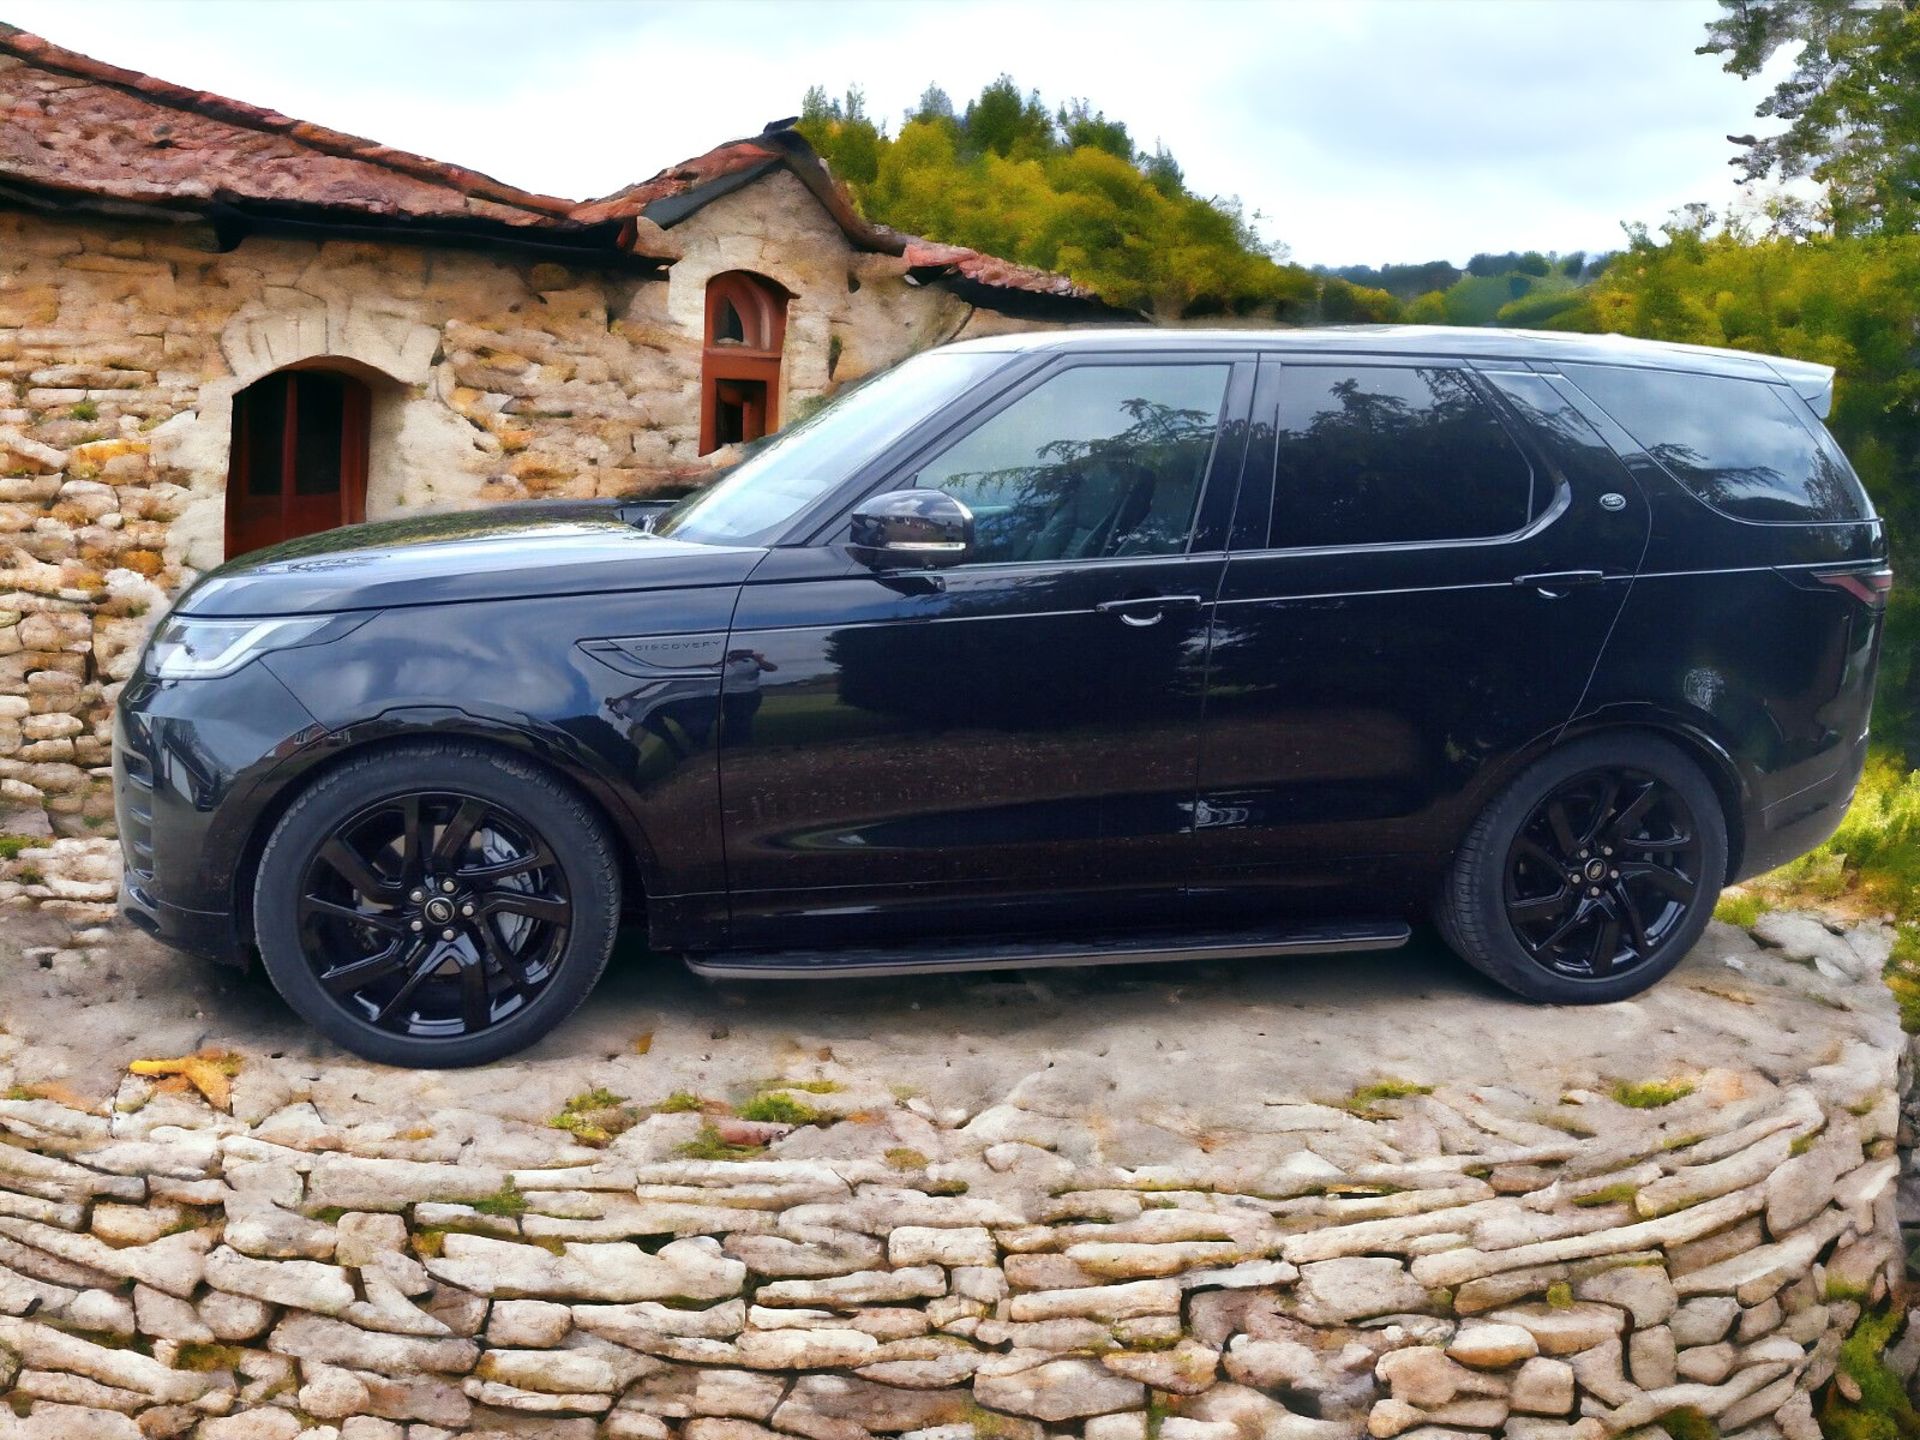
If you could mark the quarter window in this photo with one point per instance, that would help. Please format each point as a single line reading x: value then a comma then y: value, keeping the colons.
x: 1737, y: 444
x: 1383, y: 455
x: 1100, y: 460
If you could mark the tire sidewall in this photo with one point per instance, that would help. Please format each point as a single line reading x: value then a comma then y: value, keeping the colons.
x: 1480, y: 928
x: 577, y: 841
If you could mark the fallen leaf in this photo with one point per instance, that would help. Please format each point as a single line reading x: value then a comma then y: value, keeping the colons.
x: 643, y: 1042
x: 210, y: 1074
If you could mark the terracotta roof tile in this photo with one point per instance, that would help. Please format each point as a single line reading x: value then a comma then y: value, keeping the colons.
x: 76, y: 128
x: 73, y: 125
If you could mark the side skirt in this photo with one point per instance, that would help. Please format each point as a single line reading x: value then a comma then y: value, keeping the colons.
x: 1317, y: 938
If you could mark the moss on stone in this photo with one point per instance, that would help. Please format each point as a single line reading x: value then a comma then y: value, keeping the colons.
x: 1883, y: 1411
x: 1688, y: 1423
x: 507, y: 1203
x: 1616, y: 1194
x: 1651, y: 1094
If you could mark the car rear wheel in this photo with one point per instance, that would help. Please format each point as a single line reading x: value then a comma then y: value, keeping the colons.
x: 436, y: 905
x: 1592, y: 875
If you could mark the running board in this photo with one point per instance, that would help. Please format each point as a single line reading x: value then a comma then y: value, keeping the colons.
x: 1318, y: 938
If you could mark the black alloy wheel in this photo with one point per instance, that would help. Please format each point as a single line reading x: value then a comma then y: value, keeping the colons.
x: 434, y: 914
x: 1592, y: 874
x: 1602, y: 872
x: 437, y: 904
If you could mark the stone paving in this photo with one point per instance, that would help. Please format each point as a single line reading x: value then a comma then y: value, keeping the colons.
x: 1312, y: 1201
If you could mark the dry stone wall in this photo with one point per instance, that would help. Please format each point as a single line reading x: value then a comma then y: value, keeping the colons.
x: 257, y: 1249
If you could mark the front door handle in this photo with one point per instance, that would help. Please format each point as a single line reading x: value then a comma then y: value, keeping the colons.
x: 1555, y: 583
x: 1141, y: 610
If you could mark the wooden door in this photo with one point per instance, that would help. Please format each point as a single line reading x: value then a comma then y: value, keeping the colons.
x: 299, y: 462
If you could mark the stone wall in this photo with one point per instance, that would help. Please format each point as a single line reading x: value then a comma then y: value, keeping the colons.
x: 239, y: 1247
x: 494, y: 378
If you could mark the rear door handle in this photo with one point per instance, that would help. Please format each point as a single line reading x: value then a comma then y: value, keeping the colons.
x: 1553, y: 583
x: 1143, y: 610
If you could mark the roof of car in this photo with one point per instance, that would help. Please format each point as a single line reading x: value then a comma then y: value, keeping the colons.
x: 1811, y: 381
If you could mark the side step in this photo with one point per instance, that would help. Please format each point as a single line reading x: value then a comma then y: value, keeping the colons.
x: 1159, y: 947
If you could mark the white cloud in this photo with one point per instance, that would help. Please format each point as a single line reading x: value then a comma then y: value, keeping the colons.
x: 1367, y: 131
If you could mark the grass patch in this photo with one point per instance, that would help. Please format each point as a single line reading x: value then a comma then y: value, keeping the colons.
x: 1560, y: 1295
x: 1742, y: 908
x: 680, y: 1102
x: 1872, y: 863
x: 812, y: 1087
x: 1903, y: 976
x: 708, y: 1145
x: 508, y: 1203
x: 1883, y: 1411
x: 780, y: 1110
x: 1619, y: 1194
x: 12, y: 845
x: 84, y: 410
x: 595, y: 1116
x: 905, y: 1157
x: 1651, y: 1094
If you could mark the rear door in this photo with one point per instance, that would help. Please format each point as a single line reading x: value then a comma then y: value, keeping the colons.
x: 1425, y: 564
x: 1010, y: 743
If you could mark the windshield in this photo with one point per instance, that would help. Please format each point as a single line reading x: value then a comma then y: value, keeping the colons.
x: 764, y: 492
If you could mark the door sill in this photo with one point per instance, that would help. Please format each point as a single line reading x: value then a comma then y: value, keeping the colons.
x: 1304, y: 938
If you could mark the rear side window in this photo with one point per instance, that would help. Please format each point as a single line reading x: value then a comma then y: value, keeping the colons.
x: 1739, y: 445
x: 1381, y: 455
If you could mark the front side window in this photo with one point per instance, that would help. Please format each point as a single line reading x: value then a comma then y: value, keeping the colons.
x: 1379, y: 455
x: 763, y: 494
x: 1736, y: 444
x: 1097, y: 461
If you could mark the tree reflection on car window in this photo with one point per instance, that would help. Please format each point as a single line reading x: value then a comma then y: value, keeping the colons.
x: 1101, y: 460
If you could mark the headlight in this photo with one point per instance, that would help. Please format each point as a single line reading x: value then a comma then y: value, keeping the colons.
x: 188, y: 648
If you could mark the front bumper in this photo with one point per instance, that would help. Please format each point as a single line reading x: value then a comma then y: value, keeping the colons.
x: 196, y: 764
x: 210, y: 934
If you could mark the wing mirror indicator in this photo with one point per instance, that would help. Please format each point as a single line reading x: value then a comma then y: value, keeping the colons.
x: 912, y: 529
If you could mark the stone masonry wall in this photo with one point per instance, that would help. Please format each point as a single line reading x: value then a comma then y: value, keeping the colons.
x: 494, y: 378
x: 243, y: 1248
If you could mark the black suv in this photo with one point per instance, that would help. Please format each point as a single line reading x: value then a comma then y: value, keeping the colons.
x: 1061, y: 649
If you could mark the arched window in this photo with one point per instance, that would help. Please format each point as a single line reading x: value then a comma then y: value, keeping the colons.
x: 740, y: 360
x: 299, y: 458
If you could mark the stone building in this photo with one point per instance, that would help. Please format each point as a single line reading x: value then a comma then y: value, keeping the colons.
x: 221, y: 327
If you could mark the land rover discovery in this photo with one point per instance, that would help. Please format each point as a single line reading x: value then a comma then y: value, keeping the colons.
x: 1060, y: 649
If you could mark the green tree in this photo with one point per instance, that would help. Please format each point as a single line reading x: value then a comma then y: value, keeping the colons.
x: 1851, y: 104
x: 1006, y: 122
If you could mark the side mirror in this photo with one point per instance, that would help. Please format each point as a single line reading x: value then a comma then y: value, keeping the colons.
x: 916, y: 529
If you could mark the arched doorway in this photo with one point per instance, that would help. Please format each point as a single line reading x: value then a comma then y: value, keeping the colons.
x: 740, y: 360
x: 299, y: 459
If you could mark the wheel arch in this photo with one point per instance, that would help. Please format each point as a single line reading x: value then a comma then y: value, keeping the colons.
x: 396, y: 732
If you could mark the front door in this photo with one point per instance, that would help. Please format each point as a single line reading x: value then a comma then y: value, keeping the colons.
x: 1422, y: 578
x: 1011, y: 742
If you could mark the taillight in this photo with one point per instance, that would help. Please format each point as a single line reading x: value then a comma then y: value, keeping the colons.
x: 1869, y: 587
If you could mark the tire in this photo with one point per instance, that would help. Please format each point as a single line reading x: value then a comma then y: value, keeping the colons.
x: 1531, y: 893
x: 436, y: 904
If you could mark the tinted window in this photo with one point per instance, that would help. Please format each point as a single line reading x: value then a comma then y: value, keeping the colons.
x: 1739, y: 445
x: 1099, y: 460
x: 1375, y: 456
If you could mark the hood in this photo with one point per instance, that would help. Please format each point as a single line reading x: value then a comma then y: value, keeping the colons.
x: 505, y: 552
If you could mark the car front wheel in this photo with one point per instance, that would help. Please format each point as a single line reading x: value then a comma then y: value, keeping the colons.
x: 436, y: 904
x: 1593, y: 874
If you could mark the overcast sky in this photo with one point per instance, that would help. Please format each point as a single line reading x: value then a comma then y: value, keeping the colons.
x: 1363, y: 132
